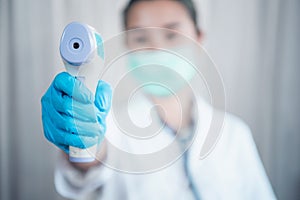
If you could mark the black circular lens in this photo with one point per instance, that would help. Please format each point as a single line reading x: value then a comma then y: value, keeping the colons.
x: 76, y: 45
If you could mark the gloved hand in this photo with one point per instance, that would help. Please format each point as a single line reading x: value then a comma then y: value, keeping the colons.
x: 72, y: 115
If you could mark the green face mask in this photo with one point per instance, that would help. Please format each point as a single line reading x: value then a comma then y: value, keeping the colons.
x: 162, y: 72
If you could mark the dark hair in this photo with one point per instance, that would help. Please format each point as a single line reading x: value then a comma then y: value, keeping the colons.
x: 188, y: 4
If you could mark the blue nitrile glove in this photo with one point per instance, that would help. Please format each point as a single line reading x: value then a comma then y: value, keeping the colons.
x: 72, y: 115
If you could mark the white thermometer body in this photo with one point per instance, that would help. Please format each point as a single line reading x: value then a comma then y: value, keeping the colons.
x: 81, y: 49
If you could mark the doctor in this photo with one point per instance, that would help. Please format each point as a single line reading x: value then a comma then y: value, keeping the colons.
x: 232, y: 171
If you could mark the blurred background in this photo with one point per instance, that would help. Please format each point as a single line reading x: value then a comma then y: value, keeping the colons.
x: 255, y: 45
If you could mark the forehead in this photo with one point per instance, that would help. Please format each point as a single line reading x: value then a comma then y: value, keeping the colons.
x: 156, y: 13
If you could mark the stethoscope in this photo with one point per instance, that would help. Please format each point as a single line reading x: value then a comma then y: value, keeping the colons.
x: 183, y: 143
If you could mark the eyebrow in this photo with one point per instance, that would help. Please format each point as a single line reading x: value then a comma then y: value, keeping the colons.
x: 172, y: 25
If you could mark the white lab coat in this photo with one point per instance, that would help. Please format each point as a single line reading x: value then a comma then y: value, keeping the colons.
x: 232, y: 171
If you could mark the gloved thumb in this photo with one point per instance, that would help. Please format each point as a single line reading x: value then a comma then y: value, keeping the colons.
x: 103, y: 97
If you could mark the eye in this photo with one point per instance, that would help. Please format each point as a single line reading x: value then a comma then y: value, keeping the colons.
x: 171, y: 36
x: 140, y: 40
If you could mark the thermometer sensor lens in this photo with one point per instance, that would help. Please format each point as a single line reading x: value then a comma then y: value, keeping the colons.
x: 76, y: 45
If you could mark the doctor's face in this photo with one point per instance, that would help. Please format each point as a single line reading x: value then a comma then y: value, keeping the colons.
x: 165, y: 14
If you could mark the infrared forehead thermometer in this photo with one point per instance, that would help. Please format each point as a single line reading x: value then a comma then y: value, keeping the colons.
x: 81, y: 49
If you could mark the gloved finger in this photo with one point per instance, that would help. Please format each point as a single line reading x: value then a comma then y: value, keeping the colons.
x: 66, y: 105
x: 103, y: 97
x: 81, y: 128
x: 63, y: 147
x: 73, y: 125
x: 79, y: 141
x: 87, y: 128
x: 72, y: 87
x: 101, y: 117
x: 62, y: 138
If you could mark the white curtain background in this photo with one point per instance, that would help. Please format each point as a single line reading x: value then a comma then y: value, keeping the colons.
x: 255, y: 44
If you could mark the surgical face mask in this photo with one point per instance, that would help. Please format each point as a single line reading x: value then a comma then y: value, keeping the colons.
x: 162, y: 72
